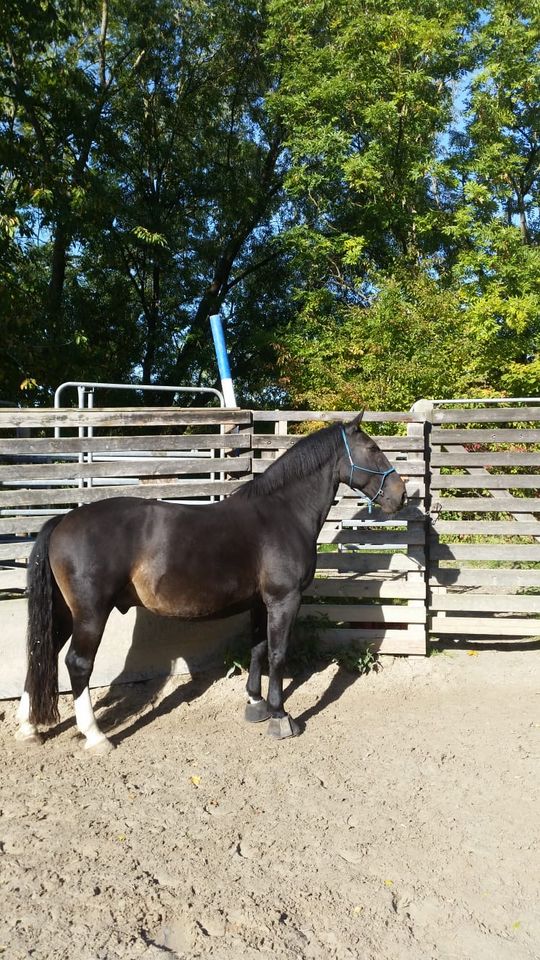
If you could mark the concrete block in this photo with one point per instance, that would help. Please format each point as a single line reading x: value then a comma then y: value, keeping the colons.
x: 137, y: 646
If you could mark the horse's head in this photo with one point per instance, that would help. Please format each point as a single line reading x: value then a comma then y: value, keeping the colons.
x: 363, y: 465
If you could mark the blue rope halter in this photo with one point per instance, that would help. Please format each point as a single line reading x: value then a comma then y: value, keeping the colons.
x: 354, y: 466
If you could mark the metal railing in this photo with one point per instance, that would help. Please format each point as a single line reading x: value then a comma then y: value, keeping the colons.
x: 86, y: 388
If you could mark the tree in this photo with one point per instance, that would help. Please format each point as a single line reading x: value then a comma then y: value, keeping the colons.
x: 138, y: 136
x: 367, y: 92
x: 497, y: 162
x: 354, y: 188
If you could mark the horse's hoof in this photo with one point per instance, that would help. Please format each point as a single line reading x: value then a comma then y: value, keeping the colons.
x: 99, y: 749
x: 28, y: 738
x: 255, y: 712
x: 282, y: 727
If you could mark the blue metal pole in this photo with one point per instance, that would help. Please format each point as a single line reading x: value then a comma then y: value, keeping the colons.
x: 223, y: 360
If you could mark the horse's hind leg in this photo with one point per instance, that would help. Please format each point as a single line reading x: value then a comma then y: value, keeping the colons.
x: 26, y: 732
x: 87, y: 633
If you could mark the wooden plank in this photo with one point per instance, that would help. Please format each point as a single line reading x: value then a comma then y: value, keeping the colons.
x: 181, y: 490
x: 486, y: 527
x: 390, y: 588
x: 512, y: 552
x: 487, y: 415
x: 415, y: 490
x: 498, y: 577
x: 367, y: 537
x: 354, y: 511
x: 22, y: 525
x: 405, y: 468
x: 512, y: 481
x: 47, y: 498
x: 485, y: 505
x: 264, y: 441
x: 350, y: 497
x: 322, y: 416
x: 331, y: 533
x: 48, y: 446
x: 493, y: 626
x: 169, y: 466
x: 505, y: 458
x: 330, y: 416
x: 491, y: 603
x: 16, y: 550
x: 366, y: 563
x: 374, y: 613
x: 387, y: 641
x: 492, y: 435
x: 46, y: 418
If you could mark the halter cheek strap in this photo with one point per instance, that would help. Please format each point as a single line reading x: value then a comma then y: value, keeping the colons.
x: 378, y: 473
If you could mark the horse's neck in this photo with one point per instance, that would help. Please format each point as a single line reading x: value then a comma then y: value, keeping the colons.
x: 310, y: 498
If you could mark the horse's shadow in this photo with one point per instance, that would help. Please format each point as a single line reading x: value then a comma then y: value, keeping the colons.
x: 133, y: 700
x: 131, y: 705
x: 126, y: 706
x: 339, y: 683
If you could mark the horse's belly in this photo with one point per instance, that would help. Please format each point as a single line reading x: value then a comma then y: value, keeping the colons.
x: 191, y: 598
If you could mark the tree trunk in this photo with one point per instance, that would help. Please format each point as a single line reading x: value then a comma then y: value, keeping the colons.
x: 152, y: 320
x: 523, y: 226
x: 209, y: 304
x: 58, y: 273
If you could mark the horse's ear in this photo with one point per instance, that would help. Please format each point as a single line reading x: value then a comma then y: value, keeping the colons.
x: 355, y: 423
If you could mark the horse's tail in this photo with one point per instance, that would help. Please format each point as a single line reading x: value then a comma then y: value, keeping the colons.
x: 42, y: 650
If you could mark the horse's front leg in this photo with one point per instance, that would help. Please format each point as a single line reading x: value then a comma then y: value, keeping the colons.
x: 257, y: 708
x: 281, y: 617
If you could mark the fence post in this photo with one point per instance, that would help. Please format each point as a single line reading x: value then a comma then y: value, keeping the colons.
x: 424, y: 408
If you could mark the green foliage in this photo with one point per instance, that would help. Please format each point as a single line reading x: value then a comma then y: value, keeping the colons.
x: 140, y: 181
x: 237, y: 658
x: 361, y: 661
x: 409, y: 342
x: 304, y: 648
x: 419, y: 262
x: 355, y: 188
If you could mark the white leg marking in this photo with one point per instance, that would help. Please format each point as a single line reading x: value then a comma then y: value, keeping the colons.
x: 23, y: 712
x: 86, y: 720
x: 255, y: 699
x: 27, y: 730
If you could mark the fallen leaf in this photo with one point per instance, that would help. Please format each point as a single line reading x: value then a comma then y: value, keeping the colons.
x: 121, y: 837
x: 388, y: 883
x: 195, y: 780
x: 472, y: 653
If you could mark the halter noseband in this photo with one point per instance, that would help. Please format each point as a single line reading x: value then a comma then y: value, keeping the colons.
x: 354, y: 466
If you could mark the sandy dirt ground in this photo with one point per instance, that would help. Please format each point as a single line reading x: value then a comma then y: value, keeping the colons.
x: 403, y: 823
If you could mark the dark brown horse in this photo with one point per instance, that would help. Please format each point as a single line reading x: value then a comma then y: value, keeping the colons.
x: 255, y: 551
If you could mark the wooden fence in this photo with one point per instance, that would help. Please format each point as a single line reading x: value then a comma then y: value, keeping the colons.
x: 484, y: 543
x: 461, y: 559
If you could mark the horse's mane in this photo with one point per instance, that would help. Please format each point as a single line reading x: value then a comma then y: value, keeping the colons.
x: 306, y: 457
